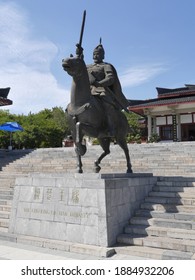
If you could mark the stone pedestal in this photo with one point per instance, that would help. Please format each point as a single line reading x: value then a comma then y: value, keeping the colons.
x: 89, y: 209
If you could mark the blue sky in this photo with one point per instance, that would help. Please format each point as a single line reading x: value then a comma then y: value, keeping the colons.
x: 151, y: 44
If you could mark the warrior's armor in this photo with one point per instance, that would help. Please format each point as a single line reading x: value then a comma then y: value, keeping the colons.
x: 104, y: 83
x: 104, y: 80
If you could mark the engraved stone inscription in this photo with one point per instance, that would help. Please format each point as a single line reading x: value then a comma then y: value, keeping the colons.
x: 48, y: 194
x: 37, y: 192
x: 57, y: 213
x: 61, y: 195
x: 75, y: 196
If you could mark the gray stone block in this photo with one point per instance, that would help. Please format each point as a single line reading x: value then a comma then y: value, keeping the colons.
x: 176, y: 255
x: 53, y: 230
x: 23, y: 181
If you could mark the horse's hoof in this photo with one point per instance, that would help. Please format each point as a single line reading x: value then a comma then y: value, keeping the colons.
x: 129, y: 170
x: 97, y: 167
x: 80, y: 171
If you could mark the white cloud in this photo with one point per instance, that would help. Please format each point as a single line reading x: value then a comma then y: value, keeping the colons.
x: 25, y: 64
x: 140, y: 74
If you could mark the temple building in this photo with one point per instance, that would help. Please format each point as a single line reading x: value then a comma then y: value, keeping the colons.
x: 4, y: 101
x: 171, y: 115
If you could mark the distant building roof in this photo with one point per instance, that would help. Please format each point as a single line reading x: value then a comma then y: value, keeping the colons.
x: 162, y: 102
x: 3, y: 97
x: 166, y: 92
x: 165, y: 97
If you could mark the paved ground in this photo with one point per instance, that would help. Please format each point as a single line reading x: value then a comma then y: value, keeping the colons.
x: 16, y: 251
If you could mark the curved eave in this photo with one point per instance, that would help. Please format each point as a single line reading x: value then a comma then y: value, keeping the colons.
x: 5, y: 101
x: 176, y: 94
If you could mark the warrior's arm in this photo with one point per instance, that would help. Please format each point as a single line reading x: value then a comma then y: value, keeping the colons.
x: 107, y: 81
x: 79, y: 50
x: 109, y: 77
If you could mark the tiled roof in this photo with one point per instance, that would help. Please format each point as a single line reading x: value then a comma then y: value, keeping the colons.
x: 166, y: 92
x: 3, y: 97
x: 5, y: 101
x: 4, y: 92
x: 161, y: 102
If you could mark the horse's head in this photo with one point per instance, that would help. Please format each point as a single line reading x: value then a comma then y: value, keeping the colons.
x: 74, y: 66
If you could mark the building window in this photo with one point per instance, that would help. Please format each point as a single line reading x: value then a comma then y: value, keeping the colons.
x: 166, y: 132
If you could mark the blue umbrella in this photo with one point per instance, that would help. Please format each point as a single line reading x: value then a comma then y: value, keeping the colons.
x: 11, y: 127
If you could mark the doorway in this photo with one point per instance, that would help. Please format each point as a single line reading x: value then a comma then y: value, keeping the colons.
x: 188, y: 132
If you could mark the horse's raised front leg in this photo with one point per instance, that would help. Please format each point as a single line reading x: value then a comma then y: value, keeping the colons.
x: 105, y: 144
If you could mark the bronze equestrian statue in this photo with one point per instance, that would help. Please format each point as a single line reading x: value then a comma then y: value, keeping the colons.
x: 96, y: 103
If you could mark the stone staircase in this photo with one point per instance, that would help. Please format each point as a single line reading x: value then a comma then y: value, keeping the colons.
x: 164, y: 226
x: 161, y: 159
x: 6, y: 196
x: 7, y: 180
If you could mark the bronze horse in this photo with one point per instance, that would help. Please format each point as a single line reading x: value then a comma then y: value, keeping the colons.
x: 87, y: 117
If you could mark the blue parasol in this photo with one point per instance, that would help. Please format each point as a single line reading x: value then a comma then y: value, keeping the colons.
x: 11, y: 127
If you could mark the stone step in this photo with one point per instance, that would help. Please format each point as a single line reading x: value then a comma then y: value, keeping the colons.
x: 141, y: 159
x: 174, y: 183
x: 160, y: 232
x: 172, y: 180
x: 90, y: 168
x: 4, y: 214
x: 15, y: 173
x: 163, y: 214
x: 153, y: 253
x: 171, y: 200
x: 163, y: 222
x: 149, y: 168
x: 5, y: 202
x: 175, y: 194
x: 6, y: 191
x: 5, y: 207
x: 175, y: 233
x: 7, y: 176
x: 164, y: 172
x: 173, y: 208
x: 112, y: 167
x: 184, y: 189
x: 157, y: 242
x: 6, y: 182
x: 3, y: 229
x: 4, y: 223
x: 5, y: 196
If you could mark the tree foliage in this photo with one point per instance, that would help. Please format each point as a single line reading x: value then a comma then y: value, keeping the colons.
x: 137, y: 132
x: 44, y: 129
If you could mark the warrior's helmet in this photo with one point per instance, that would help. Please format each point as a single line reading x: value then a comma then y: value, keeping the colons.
x: 100, y: 50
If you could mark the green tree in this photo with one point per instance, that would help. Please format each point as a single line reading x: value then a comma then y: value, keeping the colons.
x: 46, y: 128
x: 5, y: 116
x: 136, y: 131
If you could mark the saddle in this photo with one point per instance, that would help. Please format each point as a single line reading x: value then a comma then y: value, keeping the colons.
x: 75, y: 111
